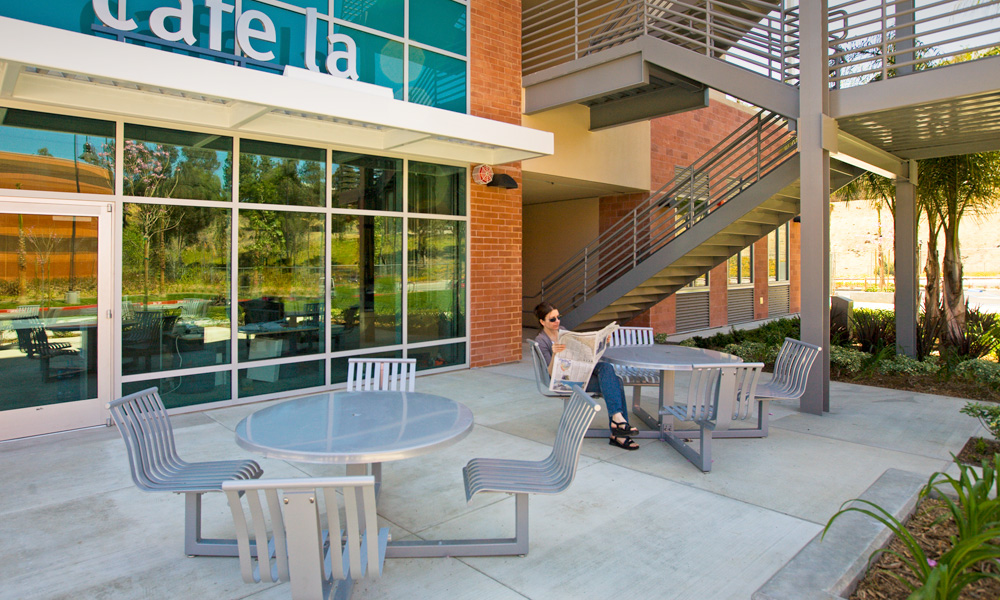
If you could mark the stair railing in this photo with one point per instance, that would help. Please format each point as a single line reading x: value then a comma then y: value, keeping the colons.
x: 749, y: 153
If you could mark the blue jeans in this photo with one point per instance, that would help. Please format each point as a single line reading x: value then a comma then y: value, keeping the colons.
x: 604, y: 381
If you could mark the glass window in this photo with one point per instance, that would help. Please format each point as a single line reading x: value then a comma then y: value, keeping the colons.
x: 700, y: 282
x: 380, y: 60
x: 175, y: 287
x: 273, y: 173
x: 383, y: 15
x: 772, y: 255
x: 367, y: 274
x: 437, y: 80
x: 741, y: 267
x: 439, y: 23
x: 55, y: 153
x: 281, y: 284
x: 367, y: 182
x: 187, y: 390
x: 434, y: 357
x: 165, y: 163
x: 437, y: 189
x: 436, y: 280
x: 782, y: 251
x: 257, y: 381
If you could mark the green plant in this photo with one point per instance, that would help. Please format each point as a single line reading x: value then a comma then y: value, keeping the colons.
x: 982, y: 371
x: 847, y: 361
x: 988, y: 415
x: 976, y: 515
x: 754, y: 351
x: 902, y: 364
x: 873, y: 328
x: 928, y: 334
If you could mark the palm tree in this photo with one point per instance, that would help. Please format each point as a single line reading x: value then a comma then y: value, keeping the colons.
x: 951, y: 187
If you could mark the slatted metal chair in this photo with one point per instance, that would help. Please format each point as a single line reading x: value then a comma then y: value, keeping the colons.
x: 374, y: 374
x: 46, y: 351
x: 717, y: 396
x: 791, y: 371
x: 635, y: 377
x: 319, y: 564
x: 520, y: 477
x: 542, y: 374
x: 156, y: 467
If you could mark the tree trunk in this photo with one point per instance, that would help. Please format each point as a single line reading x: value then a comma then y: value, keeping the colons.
x: 954, y: 295
x: 22, y: 260
x: 163, y: 261
x: 932, y: 288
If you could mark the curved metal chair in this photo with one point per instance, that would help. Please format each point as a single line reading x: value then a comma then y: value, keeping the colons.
x: 375, y: 374
x: 791, y: 371
x: 319, y: 564
x: 155, y: 466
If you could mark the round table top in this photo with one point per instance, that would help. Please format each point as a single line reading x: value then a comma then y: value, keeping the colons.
x: 665, y: 357
x: 355, y: 427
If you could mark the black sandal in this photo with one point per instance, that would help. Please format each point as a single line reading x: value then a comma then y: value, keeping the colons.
x: 623, y: 429
x: 628, y: 444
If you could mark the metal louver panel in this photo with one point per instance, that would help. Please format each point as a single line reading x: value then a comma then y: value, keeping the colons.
x: 692, y: 311
x: 777, y: 299
x: 740, y: 305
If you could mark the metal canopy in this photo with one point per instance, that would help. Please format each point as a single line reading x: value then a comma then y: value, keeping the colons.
x: 44, y: 66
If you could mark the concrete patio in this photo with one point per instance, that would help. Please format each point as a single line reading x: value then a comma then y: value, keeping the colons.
x: 643, y: 524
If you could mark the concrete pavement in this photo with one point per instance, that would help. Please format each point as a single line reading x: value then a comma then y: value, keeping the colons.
x: 644, y: 524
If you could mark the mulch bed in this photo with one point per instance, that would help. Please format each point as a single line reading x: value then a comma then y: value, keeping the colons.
x: 955, y: 387
x: 978, y: 449
x: 879, y: 583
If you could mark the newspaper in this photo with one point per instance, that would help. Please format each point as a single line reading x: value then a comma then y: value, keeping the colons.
x: 576, y: 362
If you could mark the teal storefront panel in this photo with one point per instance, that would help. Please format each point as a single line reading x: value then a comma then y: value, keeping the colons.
x: 435, y: 79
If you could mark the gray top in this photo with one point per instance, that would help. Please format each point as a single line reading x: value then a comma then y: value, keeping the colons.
x: 355, y: 427
x: 664, y: 357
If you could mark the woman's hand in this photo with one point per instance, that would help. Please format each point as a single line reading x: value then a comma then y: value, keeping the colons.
x: 557, y: 348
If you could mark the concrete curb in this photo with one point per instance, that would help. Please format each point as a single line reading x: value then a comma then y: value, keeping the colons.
x: 829, y: 569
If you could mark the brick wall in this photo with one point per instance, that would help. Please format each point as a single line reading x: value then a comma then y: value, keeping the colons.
x: 495, y: 213
x: 760, y: 280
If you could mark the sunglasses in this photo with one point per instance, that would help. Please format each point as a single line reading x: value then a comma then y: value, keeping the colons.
x: 553, y: 319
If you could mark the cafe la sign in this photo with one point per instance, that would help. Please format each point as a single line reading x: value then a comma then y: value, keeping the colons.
x: 176, y: 24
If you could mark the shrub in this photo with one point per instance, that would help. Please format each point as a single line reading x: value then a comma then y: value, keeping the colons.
x: 905, y: 365
x: 847, y: 361
x: 988, y: 415
x: 981, y: 336
x: 980, y: 370
x: 874, y: 328
x: 754, y: 351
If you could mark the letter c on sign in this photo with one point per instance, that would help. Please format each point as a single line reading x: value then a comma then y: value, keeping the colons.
x: 103, y: 11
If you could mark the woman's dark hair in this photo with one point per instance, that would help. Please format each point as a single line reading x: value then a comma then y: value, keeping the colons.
x: 543, y: 309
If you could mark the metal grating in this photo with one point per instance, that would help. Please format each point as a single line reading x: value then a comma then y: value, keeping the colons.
x: 740, y: 305
x: 692, y: 311
x: 777, y: 299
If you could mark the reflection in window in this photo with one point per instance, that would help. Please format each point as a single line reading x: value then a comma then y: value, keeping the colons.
x: 366, y: 182
x: 437, y: 80
x: 175, y: 287
x: 383, y: 15
x: 366, y: 268
x: 48, y: 315
x: 165, y: 163
x: 273, y: 173
x: 439, y: 23
x: 257, y: 381
x: 740, y: 267
x: 55, y: 153
x: 187, y: 390
x: 435, y: 357
x: 281, y: 284
x: 436, y: 280
x: 437, y: 189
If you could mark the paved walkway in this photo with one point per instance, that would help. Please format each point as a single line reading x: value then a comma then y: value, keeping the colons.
x: 644, y: 524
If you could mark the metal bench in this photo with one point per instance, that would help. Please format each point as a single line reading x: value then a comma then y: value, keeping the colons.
x: 791, y: 371
x: 319, y: 564
x: 371, y: 374
x: 717, y: 396
x: 635, y: 377
x: 156, y: 467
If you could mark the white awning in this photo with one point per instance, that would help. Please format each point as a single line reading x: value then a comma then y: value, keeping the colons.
x: 47, y: 66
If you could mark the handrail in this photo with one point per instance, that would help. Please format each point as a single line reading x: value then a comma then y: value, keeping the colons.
x: 742, y: 158
x: 868, y: 40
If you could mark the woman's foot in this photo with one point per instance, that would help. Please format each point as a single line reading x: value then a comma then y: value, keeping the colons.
x: 625, y: 443
x: 623, y: 429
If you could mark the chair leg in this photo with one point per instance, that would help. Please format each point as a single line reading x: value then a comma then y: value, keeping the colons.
x: 193, y: 544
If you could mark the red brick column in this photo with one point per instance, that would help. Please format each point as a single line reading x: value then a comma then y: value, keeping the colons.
x: 718, y: 295
x: 495, y: 213
x: 760, y: 279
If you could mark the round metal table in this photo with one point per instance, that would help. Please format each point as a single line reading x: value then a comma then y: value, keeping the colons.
x: 666, y: 359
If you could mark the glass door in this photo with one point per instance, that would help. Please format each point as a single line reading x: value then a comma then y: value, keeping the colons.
x: 54, y: 305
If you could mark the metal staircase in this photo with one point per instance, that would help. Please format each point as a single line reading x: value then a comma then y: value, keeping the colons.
x: 736, y: 193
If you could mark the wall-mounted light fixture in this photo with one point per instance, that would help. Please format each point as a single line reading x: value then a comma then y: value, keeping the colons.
x: 502, y: 180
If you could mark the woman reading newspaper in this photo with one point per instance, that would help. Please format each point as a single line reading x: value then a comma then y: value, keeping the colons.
x: 603, y: 381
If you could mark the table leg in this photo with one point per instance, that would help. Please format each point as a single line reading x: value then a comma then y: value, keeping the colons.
x: 666, y: 397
